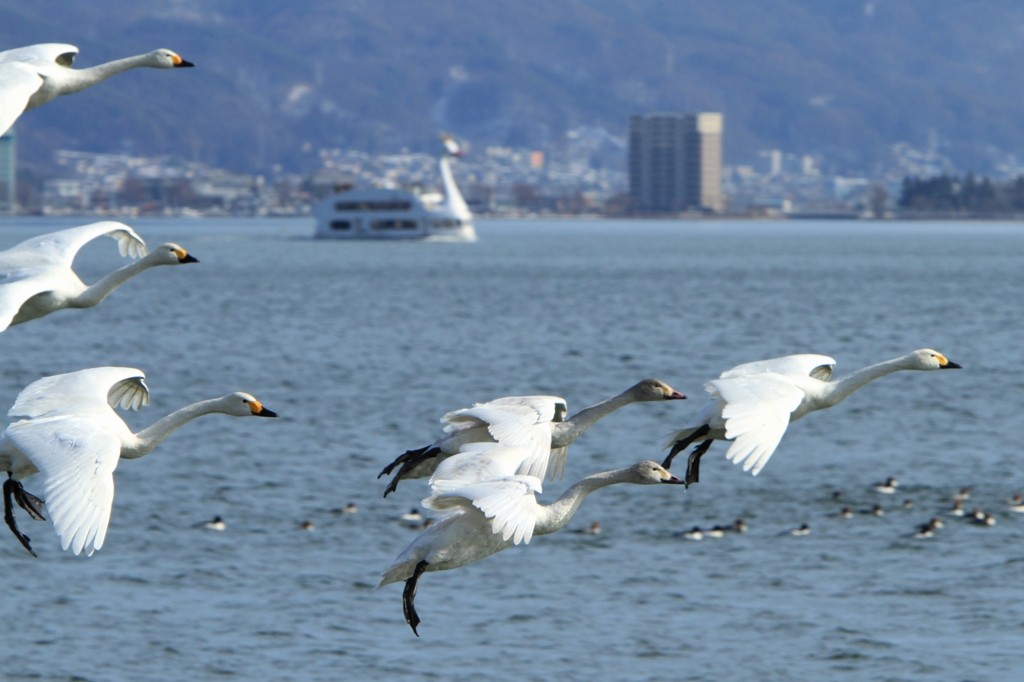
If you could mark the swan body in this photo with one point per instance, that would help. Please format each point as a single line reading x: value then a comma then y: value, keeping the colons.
x: 537, y: 422
x: 34, y: 75
x: 752, y: 404
x: 66, y: 430
x: 487, y: 507
x: 36, y: 278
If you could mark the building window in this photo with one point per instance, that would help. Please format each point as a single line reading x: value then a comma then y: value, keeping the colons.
x: 340, y: 225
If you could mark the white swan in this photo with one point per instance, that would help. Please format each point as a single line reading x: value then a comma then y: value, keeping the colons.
x: 32, y: 76
x: 36, y: 276
x: 534, y: 421
x: 487, y: 507
x: 752, y: 404
x: 67, y: 431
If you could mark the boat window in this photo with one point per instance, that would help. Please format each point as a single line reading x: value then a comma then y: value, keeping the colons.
x: 448, y: 223
x: 372, y: 206
x: 340, y: 224
x: 393, y: 224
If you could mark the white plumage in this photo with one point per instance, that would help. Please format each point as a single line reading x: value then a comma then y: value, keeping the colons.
x: 487, y: 507
x: 67, y: 431
x: 36, y: 278
x: 536, y: 422
x: 752, y: 404
x: 34, y: 75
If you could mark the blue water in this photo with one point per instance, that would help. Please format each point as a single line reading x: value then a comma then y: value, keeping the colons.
x: 362, y: 346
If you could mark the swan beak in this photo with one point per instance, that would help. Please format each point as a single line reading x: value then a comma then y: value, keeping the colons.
x: 674, y: 480
x: 184, y: 257
x: 950, y: 365
x: 180, y: 63
x: 259, y: 411
x: 676, y: 395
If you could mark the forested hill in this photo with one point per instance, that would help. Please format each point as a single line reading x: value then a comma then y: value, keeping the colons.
x: 842, y: 79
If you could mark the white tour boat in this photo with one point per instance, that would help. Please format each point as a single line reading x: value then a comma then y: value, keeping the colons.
x: 396, y: 214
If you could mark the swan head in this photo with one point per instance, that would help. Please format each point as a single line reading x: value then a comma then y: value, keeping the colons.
x: 650, y: 390
x: 171, y: 254
x: 649, y: 473
x: 167, y: 59
x: 928, y: 359
x: 243, y: 405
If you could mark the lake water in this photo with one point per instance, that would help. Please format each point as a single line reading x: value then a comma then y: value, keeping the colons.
x: 360, y: 347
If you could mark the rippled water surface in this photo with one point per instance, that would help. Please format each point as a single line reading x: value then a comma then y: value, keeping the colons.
x: 362, y: 346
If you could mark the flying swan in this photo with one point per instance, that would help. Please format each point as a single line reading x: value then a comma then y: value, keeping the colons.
x: 485, y: 507
x: 534, y: 421
x: 32, y: 76
x: 68, y: 432
x: 752, y: 404
x: 36, y: 276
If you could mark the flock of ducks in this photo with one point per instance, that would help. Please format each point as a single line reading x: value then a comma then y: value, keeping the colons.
x: 483, y: 473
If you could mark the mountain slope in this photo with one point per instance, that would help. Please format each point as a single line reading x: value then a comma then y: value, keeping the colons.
x: 841, y: 79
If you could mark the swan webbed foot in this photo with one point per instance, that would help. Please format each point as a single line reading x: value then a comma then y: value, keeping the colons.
x: 693, y: 464
x: 25, y: 500
x: 401, y: 459
x: 681, y: 445
x: 410, y: 463
x: 409, y: 594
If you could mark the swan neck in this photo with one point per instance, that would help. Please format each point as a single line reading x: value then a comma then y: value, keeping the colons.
x: 562, y: 510
x: 92, y: 75
x: 94, y: 294
x: 572, y: 428
x: 452, y: 196
x: 841, y: 388
x: 150, y: 437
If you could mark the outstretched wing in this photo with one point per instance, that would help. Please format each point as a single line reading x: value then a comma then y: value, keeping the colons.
x: 817, y: 366
x: 76, y: 459
x: 58, y: 53
x: 509, y: 503
x: 18, y: 287
x: 60, y: 247
x: 88, y: 391
x: 523, y: 421
x: 756, y: 415
x: 477, y: 462
x: 18, y: 82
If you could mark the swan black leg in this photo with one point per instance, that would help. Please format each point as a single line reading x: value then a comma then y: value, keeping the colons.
x: 409, y: 594
x: 681, y: 445
x: 401, y: 459
x: 410, y: 463
x: 24, y: 500
x: 693, y: 464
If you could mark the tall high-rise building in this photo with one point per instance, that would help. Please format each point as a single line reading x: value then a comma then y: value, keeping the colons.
x: 8, y: 163
x: 675, y: 162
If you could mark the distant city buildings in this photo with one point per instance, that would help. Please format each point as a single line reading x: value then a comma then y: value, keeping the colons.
x: 675, y: 162
x: 8, y: 180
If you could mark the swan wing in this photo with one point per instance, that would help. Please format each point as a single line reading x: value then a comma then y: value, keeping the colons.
x: 88, y: 391
x: 477, y: 462
x: 18, y: 82
x: 509, y: 503
x: 18, y: 287
x: 43, y: 52
x: 519, y: 421
x: 817, y: 366
x: 60, y: 247
x: 76, y: 458
x: 756, y: 415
